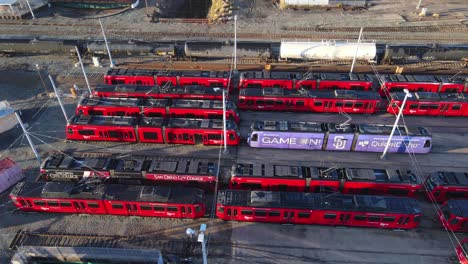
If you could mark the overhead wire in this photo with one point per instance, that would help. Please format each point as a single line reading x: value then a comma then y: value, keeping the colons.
x: 419, y: 172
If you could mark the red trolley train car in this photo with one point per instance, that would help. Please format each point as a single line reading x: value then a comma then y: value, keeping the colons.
x: 333, y: 81
x: 277, y: 99
x: 442, y: 186
x: 158, y: 92
x: 265, y: 79
x: 111, y: 106
x: 112, y: 199
x: 137, y: 170
x: 308, y: 80
x: 462, y: 251
x: 187, y: 131
x: 318, y: 208
x: 158, y: 77
x: 315, y: 179
x: 152, y: 130
x: 454, y: 215
x: 430, y: 104
x: 424, y: 83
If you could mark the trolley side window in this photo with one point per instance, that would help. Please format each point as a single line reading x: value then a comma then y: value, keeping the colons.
x: 86, y: 132
x: 150, y: 135
x: 246, y: 212
x: 93, y: 205
x: 38, y: 202
x: 329, y: 216
x: 117, y: 206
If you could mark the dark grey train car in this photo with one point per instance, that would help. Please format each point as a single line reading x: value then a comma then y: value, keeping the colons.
x: 218, y: 50
x: 33, y: 46
x: 131, y: 48
x: 422, y: 52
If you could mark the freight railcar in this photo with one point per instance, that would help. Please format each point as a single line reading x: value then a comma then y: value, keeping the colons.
x: 218, y: 50
x: 39, y: 46
x: 409, y: 53
x: 327, y: 50
x: 119, y: 48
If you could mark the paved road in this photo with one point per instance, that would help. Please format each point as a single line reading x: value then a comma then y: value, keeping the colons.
x: 272, y: 243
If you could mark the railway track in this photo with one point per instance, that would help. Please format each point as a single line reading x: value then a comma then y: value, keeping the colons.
x: 339, y: 66
x: 277, y: 36
x: 461, y: 28
x: 25, y: 238
x: 181, y: 247
x: 403, y: 29
x: 418, y: 34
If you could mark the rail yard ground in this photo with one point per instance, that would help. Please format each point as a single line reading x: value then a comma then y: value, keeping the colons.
x: 27, y: 88
x: 386, y: 20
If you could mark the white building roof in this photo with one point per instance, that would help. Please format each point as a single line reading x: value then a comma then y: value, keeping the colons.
x: 7, y: 2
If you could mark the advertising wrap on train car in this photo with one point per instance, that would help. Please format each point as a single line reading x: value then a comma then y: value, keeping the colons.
x: 182, y: 178
x: 340, y: 142
x: 287, y: 140
x: 399, y: 144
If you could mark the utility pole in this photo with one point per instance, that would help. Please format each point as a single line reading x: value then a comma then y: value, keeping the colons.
x: 146, y: 8
x: 356, y: 52
x: 26, y: 133
x: 224, y: 122
x: 38, y: 68
x: 201, y: 238
x: 58, y: 98
x: 30, y: 9
x: 112, y: 65
x: 407, y: 94
x: 419, y: 5
x: 83, y: 69
x: 235, y: 43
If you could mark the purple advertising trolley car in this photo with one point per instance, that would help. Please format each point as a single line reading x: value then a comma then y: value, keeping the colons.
x: 330, y: 136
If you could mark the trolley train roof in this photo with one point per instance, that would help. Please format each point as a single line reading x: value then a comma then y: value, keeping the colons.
x: 318, y: 201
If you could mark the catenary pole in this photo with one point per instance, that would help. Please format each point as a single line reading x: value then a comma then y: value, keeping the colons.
x: 83, y: 69
x: 202, y: 240
x: 235, y: 42
x: 224, y: 122
x: 30, y: 9
x: 356, y: 52
x: 407, y: 94
x: 26, y: 133
x: 112, y: 65
x: 58, y: 98
x: 419, y: 5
